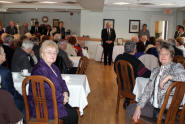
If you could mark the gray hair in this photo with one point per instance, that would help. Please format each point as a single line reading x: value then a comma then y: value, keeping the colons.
x: 61, y: 42
x: 172, y: 42
x: 130, y: 46
x: 168, y: 47
x: 8, y: 38
x: 57, y: 37
x: 27, y: 44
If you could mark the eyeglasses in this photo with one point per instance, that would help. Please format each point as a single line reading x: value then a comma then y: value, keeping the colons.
x: 51, y: 53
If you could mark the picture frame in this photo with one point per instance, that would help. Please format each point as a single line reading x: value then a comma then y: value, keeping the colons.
x: 134, y: 26
x: 55, y: 22
x: 119, y: 41
x: 108, y: 20
x: 33, y: 20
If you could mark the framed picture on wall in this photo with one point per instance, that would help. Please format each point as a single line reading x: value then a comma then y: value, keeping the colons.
x: 55, y: 22
x: 134, y: 26
x: 111, y: 21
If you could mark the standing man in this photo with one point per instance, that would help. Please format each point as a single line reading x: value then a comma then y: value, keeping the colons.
x: 11, y: 29
x: 144, y: 31
x: 61, y: 30
x: 108, y: 36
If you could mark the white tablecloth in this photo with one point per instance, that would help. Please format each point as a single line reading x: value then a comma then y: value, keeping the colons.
x: 75, y: 60
x: 78, y: 86
x: 140, y: 84
x: 118, y: 49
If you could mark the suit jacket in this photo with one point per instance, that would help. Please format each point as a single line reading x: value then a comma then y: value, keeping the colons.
x: 176, y: 34
x: 60, y: 87
x: 178, y: 74
x: 33, y: 31
x: 63, y: 62
x: 46, y: 32
x: 105, y: 36
x: 62, y: 32
x: 8, y: 85
x: 11, y: 31
x: 21, y: 60
x: 9, y: 54
x: 9, y: 114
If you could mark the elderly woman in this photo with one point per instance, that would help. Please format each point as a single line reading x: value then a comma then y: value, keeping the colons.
x: 45, y: 67
x: 161, y: 78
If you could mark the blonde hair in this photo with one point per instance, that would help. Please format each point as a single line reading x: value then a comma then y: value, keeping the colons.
x: 46, y: 44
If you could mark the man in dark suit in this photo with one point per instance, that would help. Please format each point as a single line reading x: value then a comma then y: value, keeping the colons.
x: 7, y: 82
x: 61, y: 30
x: 22, y: 58
x: 11, y: 29
x: 8, y: 40
x: 35, y: 29
x: 108, y: 36
x: 177, y: 31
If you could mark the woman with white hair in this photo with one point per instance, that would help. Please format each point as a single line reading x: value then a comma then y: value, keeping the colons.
x: 45, y: 67
x: 22, y: 58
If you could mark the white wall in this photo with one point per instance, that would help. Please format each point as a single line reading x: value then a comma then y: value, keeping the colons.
x: 70, y: 22
x: 92, y: 22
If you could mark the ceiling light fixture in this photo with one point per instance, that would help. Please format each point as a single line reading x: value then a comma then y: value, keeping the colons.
x: 5, y: 2
x: 48, y: 2
x: 167, y: 4
x: 120, y: 3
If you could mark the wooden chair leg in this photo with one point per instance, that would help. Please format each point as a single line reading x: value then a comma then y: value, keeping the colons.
x: 118, y: 101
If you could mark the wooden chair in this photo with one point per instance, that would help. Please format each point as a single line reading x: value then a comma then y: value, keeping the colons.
x: 82, y: 65
x: 40, y: 102
x: 123, y: 79
x: 179, y: 59
x: 170, y: 117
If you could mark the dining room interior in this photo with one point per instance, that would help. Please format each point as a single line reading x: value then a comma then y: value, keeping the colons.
x: 81, y: 46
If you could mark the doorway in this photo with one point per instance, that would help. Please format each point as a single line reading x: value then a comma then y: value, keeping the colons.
x: 161, y: 29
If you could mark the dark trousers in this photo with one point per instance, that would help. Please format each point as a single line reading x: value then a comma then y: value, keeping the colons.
x: 147, y: 111
x: 72, y: 117
x: 108, y: 53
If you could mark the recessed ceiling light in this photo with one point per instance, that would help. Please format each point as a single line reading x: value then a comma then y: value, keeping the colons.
x: 48, y: 2
x: 167, y: 4
x: 5, y: 2
x: 120, y: 3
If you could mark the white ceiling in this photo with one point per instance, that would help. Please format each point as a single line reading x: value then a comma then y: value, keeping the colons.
x: 95, y: 5
x: 148, y: 3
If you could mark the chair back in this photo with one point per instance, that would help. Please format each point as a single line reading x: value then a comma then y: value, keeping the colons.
x: 125, y: 78
x: 179, y: 59
x: 82, y: 65
x: 38, y: 90
x: 175, y: 103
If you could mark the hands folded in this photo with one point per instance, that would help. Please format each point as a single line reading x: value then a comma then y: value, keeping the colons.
x: 66, y: 97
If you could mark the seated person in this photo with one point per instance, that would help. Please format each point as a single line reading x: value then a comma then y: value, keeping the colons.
x: 45, y: 67
x: 151, y: 48
x: 63, y: 62
x: 22, y: 58
x: 139, y: 69
x: 140, y: 47
x: 178, y: 52
x: 154, y: 92
x: 71, y: 51
x: 8, y: 41
x: 180, y: 44
x: 7, y: 82
x: 9, y: 114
